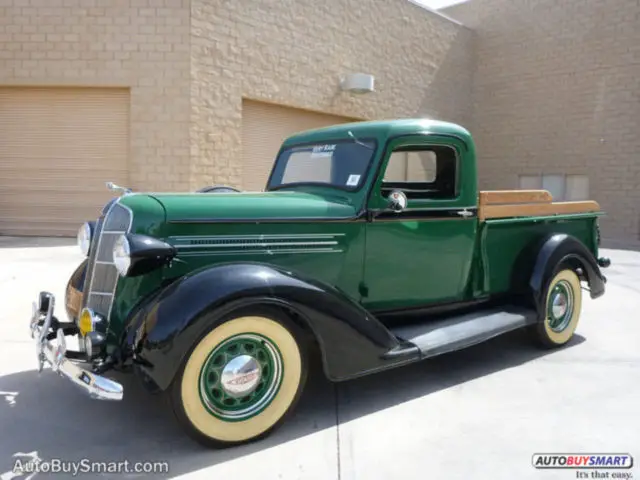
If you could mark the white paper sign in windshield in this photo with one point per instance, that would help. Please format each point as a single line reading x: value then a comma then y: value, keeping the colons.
x: 322, y: 151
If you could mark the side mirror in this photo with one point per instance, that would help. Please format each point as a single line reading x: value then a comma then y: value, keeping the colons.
x: 397, y: 201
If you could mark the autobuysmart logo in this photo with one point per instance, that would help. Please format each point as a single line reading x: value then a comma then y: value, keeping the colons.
x: 582, y: 460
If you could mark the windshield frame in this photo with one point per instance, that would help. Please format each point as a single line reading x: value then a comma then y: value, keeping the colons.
x: 365, y: 174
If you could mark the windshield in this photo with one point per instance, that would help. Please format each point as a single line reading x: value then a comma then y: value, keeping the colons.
x: 342, y: 164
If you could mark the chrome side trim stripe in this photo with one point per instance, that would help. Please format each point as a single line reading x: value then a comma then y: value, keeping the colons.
x: 274, y: 236
x: 261, y: 252
x: 257, y: 244
x: 253, y: 244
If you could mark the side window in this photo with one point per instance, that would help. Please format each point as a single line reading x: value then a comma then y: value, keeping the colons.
x: 422, y: 172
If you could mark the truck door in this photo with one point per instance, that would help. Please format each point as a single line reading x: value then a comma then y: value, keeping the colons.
x: 422, y: 255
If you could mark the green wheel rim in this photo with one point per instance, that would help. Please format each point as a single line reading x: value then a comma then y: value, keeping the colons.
x: 560, y: 306
x: 241, y: 377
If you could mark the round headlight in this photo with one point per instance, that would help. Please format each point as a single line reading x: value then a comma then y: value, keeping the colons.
x: 121, y: 255
x: 84, y: 238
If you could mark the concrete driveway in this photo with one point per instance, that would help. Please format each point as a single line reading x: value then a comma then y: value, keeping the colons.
x: 480, y: 413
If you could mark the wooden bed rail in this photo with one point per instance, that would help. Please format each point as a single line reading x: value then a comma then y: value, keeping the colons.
x: 527, y: 203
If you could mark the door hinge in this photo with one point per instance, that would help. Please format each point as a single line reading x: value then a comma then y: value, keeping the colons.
x: 363, y: 290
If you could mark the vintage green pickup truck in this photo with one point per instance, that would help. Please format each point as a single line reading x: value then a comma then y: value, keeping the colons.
x: 370, y: 245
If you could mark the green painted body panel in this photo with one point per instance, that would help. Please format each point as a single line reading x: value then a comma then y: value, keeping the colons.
x: 429, y: 260
x: 380, y: 130
x: 412, y: 263
x: 502, y: 242
x: 257, y: 206
x: 323, y: 232
x: 336, y: 260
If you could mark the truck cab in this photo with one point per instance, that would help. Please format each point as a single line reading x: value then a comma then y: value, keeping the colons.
x: 432, y: 166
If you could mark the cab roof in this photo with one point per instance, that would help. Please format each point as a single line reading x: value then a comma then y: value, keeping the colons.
x: 380, y: 129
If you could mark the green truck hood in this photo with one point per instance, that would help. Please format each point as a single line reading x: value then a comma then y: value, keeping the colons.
x: 253, y: 206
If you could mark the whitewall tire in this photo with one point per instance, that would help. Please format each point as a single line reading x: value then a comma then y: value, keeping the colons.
x: 241, y: 379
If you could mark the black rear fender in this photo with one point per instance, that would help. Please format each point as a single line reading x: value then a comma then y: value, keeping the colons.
x: 555, y: 251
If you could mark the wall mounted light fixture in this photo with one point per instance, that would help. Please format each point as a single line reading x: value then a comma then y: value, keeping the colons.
x: 358, y: 83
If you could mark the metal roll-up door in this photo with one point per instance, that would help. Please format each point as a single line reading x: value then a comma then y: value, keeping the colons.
x: 264, y: 128
x: 58, y: 147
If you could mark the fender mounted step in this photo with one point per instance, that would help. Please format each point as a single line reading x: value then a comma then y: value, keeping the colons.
x: 436, y: 337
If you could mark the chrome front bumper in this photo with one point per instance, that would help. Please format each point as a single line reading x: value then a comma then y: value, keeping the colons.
x: 51, y: 348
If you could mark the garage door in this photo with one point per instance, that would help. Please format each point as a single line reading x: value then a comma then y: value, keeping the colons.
x: 58, y: 147
x: 264, y: 127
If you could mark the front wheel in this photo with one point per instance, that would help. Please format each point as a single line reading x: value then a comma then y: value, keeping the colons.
x: 562, y: 310
x: 240, y: 380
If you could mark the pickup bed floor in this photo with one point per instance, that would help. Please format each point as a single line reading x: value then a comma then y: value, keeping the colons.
x: 436, y: 337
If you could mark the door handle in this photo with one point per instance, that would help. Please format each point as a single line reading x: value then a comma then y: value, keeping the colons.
x: 464, y: 213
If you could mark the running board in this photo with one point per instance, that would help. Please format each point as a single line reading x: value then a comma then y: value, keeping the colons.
x: 442, y: 336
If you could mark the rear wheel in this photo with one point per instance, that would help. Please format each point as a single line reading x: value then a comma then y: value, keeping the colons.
x: 240, y: 380
x: 562, y: 309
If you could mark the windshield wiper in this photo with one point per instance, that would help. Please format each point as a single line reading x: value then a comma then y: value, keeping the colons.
x: 300, y: 184
x: 350, y: 133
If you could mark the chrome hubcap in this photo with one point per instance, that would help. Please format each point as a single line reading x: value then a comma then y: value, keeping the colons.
x: 241, y: 376
x: 559, y: 307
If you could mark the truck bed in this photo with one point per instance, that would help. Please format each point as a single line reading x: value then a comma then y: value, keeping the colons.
x: 527, y: 203
x: 512, y: 222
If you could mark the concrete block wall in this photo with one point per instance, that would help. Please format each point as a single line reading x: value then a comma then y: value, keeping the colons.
x: 557, y: 91
x: 140, y: 44
x: 293, y: 52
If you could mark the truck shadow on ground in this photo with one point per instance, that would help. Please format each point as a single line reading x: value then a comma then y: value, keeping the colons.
x: 46, y: 415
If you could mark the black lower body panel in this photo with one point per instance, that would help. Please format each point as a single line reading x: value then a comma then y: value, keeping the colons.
x: 436, y: 337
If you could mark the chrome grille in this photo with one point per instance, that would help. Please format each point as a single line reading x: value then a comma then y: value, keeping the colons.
x: 118, y: 219
x: 105, y: 275
x: 102, y: 274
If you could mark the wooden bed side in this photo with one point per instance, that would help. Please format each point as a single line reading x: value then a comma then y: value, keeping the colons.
x: 493, y: 197
x: 527, y: 203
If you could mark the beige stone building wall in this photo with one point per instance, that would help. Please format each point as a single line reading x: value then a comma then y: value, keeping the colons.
x: 189, y: 64
x: 557, y: 90
x: 545, y: 86
x: 293, y: 53
x: 139, y: 44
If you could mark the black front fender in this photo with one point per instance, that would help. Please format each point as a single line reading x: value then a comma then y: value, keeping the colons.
x: 560, y: 249
x: 168, y: 325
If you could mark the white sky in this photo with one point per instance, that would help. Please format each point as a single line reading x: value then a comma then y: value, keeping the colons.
x: 436, y: 4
